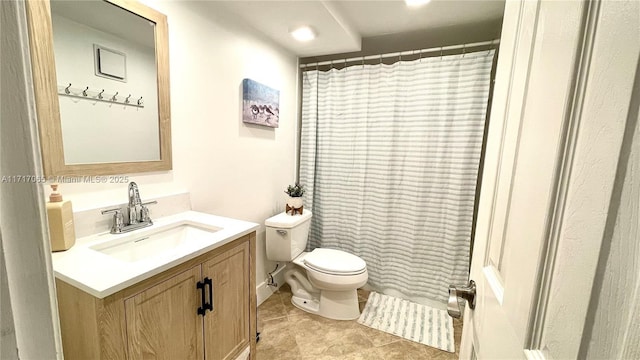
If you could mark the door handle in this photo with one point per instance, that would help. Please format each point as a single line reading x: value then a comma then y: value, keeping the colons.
x: 464, y: 292
x: 208, y: 306
x: 202, y: 309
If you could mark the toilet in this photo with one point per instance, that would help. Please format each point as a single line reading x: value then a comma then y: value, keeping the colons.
x: 323, y: 281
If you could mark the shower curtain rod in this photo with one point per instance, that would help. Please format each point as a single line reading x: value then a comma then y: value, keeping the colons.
x: 402, y: 53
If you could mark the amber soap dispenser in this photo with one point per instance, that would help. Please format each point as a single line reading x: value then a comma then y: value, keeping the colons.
x: 61, y: 229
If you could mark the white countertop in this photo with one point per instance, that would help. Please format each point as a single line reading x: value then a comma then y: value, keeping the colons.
x: 102, y: 275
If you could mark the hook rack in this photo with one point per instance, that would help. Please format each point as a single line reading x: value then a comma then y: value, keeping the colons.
x: 86, y: 94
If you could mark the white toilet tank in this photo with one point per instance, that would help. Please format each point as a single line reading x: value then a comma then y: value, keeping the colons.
x: 287, y: 235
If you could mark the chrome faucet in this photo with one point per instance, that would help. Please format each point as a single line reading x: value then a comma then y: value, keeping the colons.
x: 135, y: 204
x: 137, y: 211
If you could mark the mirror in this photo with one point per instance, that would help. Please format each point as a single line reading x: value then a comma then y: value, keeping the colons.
x: 101, y: 81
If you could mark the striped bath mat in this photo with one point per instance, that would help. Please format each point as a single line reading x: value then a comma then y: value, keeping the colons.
x: 415, y: 322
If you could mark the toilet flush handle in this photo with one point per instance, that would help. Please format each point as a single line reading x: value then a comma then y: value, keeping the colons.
x: 282, y: 232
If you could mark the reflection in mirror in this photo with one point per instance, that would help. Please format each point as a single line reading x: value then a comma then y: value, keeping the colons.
x: 105, y: 60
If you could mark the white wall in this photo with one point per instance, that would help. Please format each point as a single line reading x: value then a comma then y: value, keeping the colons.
x: 230, y: 169
x: 616, y: 306
x: 95, y: 132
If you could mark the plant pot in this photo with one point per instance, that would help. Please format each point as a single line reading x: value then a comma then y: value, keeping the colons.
x: 295, y: 202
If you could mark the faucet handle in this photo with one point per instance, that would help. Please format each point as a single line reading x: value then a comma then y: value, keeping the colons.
x: 144, y: 212
x: 118, y: 220
x: 109, y: 211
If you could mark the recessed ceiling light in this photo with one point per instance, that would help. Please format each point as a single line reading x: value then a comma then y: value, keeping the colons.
x: 416, y: 3
x: 303, y: 33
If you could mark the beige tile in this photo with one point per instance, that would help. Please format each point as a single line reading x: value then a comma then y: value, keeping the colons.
x: 363, y: 295
x: 279, y: 353
x: 272, y: 308
x: 337, y: 324
x: 332, y: 342
x: 277, y: 341
x: 361, y: 305
x: 364, y: 354
x: 305, y: 325
x: 291, y: 309
x: 348, y: 342
x: 316, y: 335
x: 437, y: 354
x: 273, y: 326
x: 285, y: 288
x: 290, y: 333
x: 403, y: 350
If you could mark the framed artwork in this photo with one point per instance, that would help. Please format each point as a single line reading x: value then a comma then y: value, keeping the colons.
x: 260, y: 104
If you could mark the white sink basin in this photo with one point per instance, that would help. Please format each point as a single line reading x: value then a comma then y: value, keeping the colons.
x: 142, y: 247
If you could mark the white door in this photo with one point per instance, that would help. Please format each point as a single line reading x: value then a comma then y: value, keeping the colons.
x: 563, y: 87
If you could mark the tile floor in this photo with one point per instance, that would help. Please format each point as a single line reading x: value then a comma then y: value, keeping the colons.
x: 287, y: 332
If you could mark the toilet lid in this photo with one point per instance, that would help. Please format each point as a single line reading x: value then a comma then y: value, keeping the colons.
x: 336, y: 262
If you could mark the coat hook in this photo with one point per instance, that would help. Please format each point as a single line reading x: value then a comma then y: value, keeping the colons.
x: 84, y: 92
x: 113, y: 98
x: 127, y: 99
x: 66, y: 90
x: 100, y: 94
x: 140, y: 101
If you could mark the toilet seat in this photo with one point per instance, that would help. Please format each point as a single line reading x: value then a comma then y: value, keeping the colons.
x: 334, y: 262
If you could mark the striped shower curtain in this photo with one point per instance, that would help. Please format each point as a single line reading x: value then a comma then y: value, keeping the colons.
x: 389, y: 156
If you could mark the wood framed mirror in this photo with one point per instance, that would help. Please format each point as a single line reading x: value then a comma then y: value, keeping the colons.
x: 96, y: 113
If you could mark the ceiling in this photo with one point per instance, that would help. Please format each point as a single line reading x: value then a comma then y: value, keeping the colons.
x: 341, y: 25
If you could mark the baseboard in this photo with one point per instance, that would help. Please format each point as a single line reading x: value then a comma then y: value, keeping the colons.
x: 263, y: 291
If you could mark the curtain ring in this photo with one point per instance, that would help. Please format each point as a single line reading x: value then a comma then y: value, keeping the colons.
x: 464, y: 49
x: 441, y: 52
x: 363, y: 62
x: 345, y: 64
x: 420, y: 54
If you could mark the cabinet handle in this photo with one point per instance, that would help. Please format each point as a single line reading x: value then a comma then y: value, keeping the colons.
x: 202, y: 309
x: 209, y: 306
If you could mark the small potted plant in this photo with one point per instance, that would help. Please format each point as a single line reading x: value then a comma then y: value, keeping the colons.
x: 295, y: 193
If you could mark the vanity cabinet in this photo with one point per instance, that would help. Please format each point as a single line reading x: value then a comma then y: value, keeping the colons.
x: 158, y: 318
x: 161, y: 320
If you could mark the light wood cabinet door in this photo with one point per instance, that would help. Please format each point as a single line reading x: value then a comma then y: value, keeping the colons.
x: 227, y: 325
x: 162, y: 321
